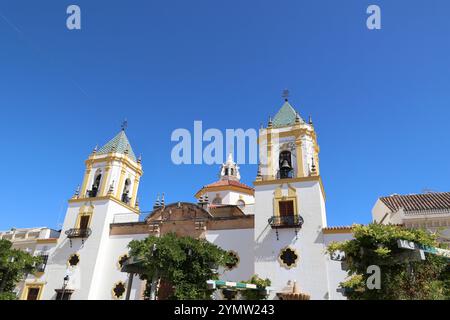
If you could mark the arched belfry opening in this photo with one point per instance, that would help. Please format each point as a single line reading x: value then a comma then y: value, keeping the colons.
x: 126, y: 192
x: 285, y: 165
x: 96, y: 184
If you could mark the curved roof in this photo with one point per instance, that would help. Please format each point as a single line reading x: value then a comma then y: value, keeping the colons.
x: 224, y: 184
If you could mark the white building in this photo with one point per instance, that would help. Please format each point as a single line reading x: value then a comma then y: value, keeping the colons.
x: 277, y: 229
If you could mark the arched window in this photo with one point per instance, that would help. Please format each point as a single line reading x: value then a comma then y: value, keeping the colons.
x: 96, y: 185
x: 126, y: 191
x: 285, y: 163
x: 241, y: 204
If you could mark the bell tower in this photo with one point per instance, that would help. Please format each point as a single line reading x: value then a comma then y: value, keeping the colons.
x: 112, y: 172
x: 108, y: 194
x: 290, y: 205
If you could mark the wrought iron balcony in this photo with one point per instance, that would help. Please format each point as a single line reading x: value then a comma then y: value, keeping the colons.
x: 293, y: 221
x: 78, y: 233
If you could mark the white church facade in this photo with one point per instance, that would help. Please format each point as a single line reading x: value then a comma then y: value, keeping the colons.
x: 277, y: 228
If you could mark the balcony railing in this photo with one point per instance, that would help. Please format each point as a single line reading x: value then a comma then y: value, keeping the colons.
x: 293, y: 221
x: 78, y: 233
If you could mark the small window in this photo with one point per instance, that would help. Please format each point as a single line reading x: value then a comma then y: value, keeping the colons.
x: 74, y: 260
x: 119, y: 290
x: 234, y: 260
x: 241, y: 204
x: 84, y: 222
x: 33, y: 293
x: 288, y: 258
x: 286, y: 208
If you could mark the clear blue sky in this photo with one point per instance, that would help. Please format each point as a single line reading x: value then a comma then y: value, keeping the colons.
x: 380, y: 100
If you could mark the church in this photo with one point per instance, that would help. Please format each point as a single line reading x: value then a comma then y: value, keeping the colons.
x: 277, y: 228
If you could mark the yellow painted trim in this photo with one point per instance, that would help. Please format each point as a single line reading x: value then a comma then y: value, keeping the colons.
x: 278, y: 196
x: 299, y: 155
x: 47, y: 241
x: 28, y: 286
x: 105, y: 198
x: 269, y: 155
x: 121, y: 183
x: 292, y: 180
x: 86, y: 210
x: 85, y: 182
x: 135, y: 190
x: 337, y: 230
x: 105, y: 179
x: 115, y: 157
x: 282, y: 262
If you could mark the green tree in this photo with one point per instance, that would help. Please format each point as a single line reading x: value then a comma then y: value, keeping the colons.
x: 14, y: 265
x: 260, y: 293
x: 402, y: 278
x: 183, y: 262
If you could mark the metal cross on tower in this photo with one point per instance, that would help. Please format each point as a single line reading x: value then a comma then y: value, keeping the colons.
x: 124, y: 125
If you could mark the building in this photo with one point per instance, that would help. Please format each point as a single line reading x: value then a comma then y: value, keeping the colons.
x: 37, y: 242
x: 276, y: 228
x: 430, y: 211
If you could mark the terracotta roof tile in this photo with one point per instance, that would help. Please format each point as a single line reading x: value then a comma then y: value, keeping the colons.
x: 234, y: 183
x: 418, y: 202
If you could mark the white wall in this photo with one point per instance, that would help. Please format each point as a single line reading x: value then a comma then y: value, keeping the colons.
x: 240, y: 241
x: 310, y: 272
x: 334, y: 268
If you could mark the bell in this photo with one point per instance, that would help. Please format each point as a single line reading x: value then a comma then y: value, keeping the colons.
x: 285, y: 165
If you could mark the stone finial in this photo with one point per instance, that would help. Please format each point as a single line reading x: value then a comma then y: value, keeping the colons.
x: 270, y: 124
x: 297, y: 118
x: 163, y: 201
x: 77, y: 193
x: 140, y: 159
x: 310, y: 120
x: 95, y: 149
x: 157, y: 202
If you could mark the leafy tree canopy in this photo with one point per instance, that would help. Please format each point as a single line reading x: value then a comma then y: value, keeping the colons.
x: 184, y: 262
x: 14, y: 265
x: 401, y: 277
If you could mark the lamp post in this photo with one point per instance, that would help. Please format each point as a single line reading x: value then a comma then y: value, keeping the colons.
x: 65, y: 282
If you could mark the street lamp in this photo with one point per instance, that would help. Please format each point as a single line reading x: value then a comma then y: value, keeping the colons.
x: 65, y: 282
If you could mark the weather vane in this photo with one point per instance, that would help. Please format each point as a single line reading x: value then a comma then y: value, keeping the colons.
x: 286, y: 94
x: 124, y: 124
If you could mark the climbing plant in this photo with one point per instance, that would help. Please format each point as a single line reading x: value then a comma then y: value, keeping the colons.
x: 401, y: 276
